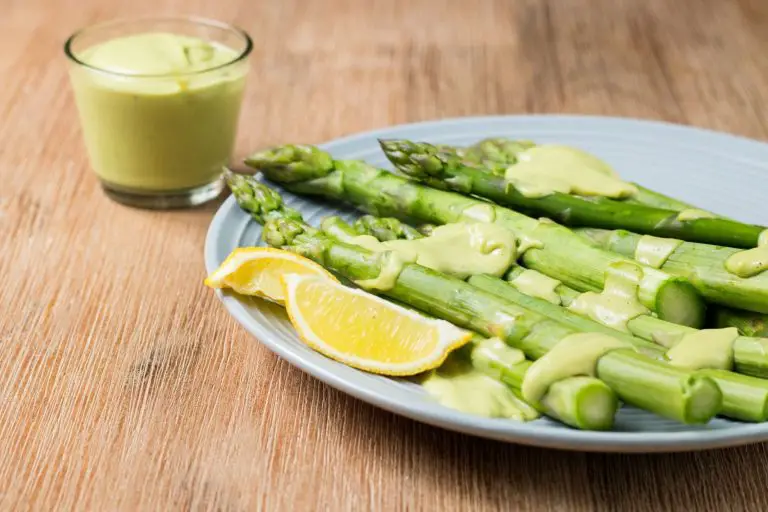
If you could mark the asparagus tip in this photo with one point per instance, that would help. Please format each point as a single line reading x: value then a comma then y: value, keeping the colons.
x: 291, y: 163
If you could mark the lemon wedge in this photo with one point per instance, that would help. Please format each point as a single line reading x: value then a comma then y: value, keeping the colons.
x: 365, y: 331
x: 257, y: 270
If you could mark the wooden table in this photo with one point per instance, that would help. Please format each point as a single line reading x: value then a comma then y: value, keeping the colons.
x: 124, y: 383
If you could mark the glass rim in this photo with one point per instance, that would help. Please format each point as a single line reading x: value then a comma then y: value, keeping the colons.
x: 196, y: 20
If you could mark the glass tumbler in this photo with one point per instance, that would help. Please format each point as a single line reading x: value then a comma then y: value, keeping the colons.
x: 159, y: 102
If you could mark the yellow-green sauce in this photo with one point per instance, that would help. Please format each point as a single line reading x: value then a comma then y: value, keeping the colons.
x: 750, y: 262
x: 708, y: 348
x: 618, y: 303
x: 536, y: 284
x: 667, y: 339
x: 461, y: 250
x: 160, y: 111
x: 456, y: 384
x: 654, y: 251
x: 489, y: 354
x: 574, y: 355
x: 548, y: 168
x: 392, y: 264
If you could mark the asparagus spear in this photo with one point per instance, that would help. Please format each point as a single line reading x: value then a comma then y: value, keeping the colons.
x: 701, y: 264
x: 425, y: 162
x: 635, y: 378
x: 385, y: 228
x: 744, y: 398
x: 747, y: 322
x: 496, y: 154
x: 556, y: 251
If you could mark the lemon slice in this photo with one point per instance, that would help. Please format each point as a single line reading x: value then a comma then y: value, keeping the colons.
x: 257, y: 271
x: 365, y: 331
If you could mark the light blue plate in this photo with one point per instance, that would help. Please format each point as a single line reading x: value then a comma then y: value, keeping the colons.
x: 715, y: 171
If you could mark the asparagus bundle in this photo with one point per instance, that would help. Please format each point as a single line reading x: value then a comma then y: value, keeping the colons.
x: 750, y: 354
x: 496, y: 154
x: 634, y: 377
x: 744, y: 398
x: 427, y: 163
x: 701, y: 264
x: 550, y: 248
x: 582, y: 402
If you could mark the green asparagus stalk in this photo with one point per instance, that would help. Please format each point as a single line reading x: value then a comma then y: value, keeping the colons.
x: 385, y: 228
x: 637, y: 379
x: 496, y: 154
x: 556, y: 251
x: 427, y: 163
x: 747, y: 322
x: 744, y: 398
x: 701, y: 264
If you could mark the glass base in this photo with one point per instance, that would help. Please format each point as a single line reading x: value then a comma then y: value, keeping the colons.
x: 165, y: 200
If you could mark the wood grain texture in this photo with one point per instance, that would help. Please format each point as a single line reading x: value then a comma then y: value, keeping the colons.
x: 125, y: 385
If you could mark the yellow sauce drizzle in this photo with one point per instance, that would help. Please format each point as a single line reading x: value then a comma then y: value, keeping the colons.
x: 708, y: 348
x: 529, y: 240
x: 526, y: 242
x: 459, y: 386
x: 461, y: 249
x: 537, y: 285
x: 490, y: 354
x: 576, y: 354
x: 654, y: 251
x: 549, y: 168
x: 750, y: 262
x: 391, y: 268
x: 618, y: 303
x: 667, y: 339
